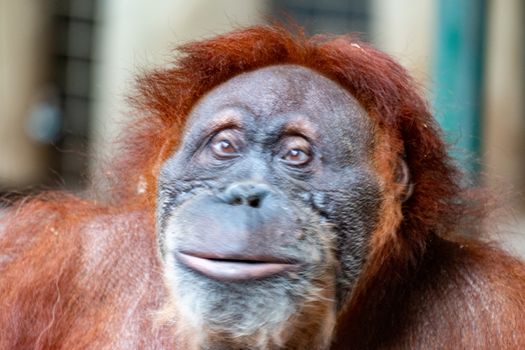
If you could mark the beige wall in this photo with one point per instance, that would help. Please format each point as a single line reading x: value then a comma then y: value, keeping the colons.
x: 136, y: 35
x: 405, y: 30
x: 505, y: 106
x: 22, y: 63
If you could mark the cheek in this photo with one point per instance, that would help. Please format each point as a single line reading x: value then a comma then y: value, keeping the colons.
x: 167, y: 243
x: 174, y: 230
x: 353, y: 198
x: 363, y: 205
x: 352, y: 207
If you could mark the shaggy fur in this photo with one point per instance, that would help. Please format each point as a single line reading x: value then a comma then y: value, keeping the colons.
x: 78, y: 273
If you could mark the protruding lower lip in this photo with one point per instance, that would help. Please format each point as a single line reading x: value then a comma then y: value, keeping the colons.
x: 233, y: 270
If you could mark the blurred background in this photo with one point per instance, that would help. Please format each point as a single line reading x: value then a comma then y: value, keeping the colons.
x: 66, y: 67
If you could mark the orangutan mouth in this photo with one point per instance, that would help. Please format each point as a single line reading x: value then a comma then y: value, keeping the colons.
x: 234, y: 268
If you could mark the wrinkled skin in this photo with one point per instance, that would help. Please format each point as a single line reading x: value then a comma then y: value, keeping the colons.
x: 274, y: 170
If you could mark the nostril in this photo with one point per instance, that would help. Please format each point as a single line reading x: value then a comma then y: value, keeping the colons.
x: 254, y: 202
x: 236, y: 201
x: 245, y: 193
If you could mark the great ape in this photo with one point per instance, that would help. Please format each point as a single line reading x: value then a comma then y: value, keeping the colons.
x: 278, y: 192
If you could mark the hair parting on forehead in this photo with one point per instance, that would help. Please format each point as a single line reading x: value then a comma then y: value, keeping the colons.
x: 382, y: 87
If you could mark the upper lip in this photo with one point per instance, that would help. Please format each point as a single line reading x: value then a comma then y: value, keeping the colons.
x: 234, y: 267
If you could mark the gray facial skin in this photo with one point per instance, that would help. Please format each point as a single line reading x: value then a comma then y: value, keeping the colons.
x: 265, y: 210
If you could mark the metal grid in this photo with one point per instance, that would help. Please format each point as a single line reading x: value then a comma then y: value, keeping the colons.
x: 74, y: 26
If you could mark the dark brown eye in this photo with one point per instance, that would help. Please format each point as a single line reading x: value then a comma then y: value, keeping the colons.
x: 297, y: 151
x: 296, y: 156
x: 225, y: 144
x: 223, y: 147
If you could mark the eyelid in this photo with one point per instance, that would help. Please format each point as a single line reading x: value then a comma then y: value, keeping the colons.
x: 299, y: 143
x: 295, y: 133
x: 296, y: 141
x: 217, y: 129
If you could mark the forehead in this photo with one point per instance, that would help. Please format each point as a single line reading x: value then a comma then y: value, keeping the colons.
x: 284, y: 90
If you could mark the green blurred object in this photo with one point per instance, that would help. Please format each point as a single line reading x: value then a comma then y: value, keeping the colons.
x: 458, y: 77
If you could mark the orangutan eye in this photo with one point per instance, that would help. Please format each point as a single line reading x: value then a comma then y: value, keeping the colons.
x: 296, y: 151
x: 225, y: 144
x: 296, y: 156
x: 223, y: 147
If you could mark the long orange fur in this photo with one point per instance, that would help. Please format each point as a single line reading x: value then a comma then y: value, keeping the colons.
x: 78, y: 273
